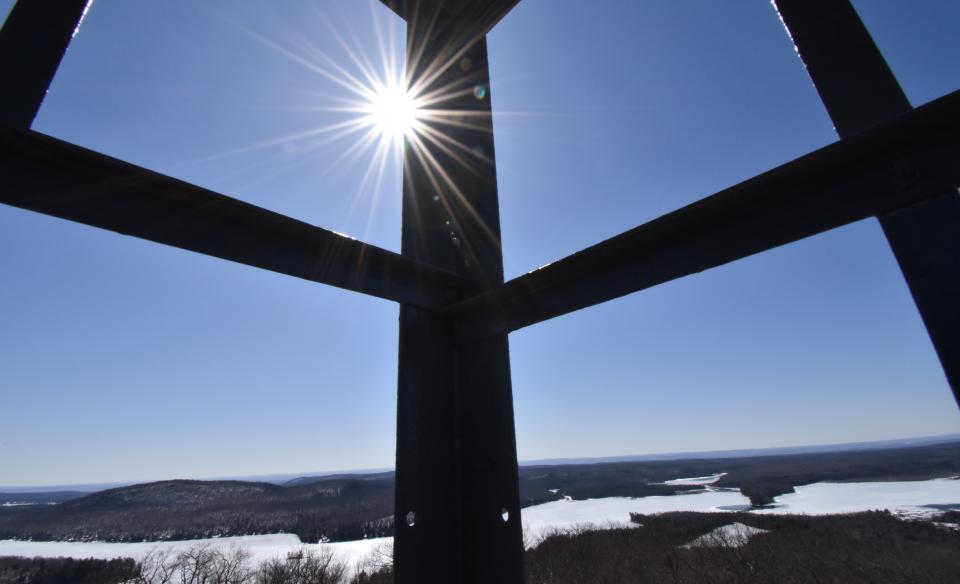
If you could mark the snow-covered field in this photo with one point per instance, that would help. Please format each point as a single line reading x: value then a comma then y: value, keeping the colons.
x: 261, y: 547
x: 912, y: 498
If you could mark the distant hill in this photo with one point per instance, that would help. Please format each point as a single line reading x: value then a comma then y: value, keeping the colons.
x: 40, y: 498
x: 308, y: 480
x: 338, y: 509
x: 297, y: 478
x: 354, y: 506
x: 667, y: 457
x: 752, y: 452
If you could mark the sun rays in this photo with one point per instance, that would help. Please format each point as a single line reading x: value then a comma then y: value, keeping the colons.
x: 374, y: 112
x: 394, y: 112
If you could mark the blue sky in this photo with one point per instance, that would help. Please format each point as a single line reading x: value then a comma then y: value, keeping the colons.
x: 126, y: 360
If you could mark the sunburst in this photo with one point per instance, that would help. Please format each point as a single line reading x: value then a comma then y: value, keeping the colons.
x: 380, y: 115
x: 394, y: 112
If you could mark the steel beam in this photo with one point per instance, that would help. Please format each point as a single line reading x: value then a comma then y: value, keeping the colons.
x: 925, y: 239
x: 904, y: 162
x: 477, y: 16
x: 33, y: 40
x: 457, y: 502
x: 46, y: 175
x: 859, y: 92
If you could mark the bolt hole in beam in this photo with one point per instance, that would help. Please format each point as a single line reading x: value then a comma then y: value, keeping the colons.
x: 505, y: 515
x: 411, y: 518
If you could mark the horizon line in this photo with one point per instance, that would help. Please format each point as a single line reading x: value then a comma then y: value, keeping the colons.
x: 556, y: 461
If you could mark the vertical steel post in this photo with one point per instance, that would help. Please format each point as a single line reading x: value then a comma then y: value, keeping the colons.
x: 859, y: 91
x: 33, y: 40
x: 457, y: 504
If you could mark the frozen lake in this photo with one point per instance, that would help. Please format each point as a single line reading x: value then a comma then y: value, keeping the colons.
x: 913, y: 498
x: 907, y: 497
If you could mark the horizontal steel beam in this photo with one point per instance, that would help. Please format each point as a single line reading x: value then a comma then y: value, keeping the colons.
x: 56, y: 178
x: 907, y: 160
x: 479, y: 16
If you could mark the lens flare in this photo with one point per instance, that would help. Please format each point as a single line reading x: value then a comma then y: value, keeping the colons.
x: 378, y: 112
x: 394, y: 112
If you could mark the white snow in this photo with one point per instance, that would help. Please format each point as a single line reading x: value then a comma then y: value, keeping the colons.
x: 910, y: 498
x: 729, y: 535
x: 261, y: 547
x: 904, y: 497
x: 696, y: 480
x: 610, y: 512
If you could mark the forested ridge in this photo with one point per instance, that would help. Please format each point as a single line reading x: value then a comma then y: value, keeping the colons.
x: 349, y: 507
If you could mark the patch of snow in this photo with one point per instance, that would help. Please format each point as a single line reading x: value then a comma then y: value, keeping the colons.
x: 911, y: 498
x: 730, y: 535
x: 261, y: 547
x: 540, y: 521
x: 696, y: 480
x: 554, y: 491
x: 15, y: 504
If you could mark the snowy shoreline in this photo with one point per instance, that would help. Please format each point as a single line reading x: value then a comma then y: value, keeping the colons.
x: 915, y: 499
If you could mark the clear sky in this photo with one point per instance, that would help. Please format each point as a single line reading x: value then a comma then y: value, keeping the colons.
x: 126, y: 360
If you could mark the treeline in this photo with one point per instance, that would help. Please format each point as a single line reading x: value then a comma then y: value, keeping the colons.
x: 337, y: 510
x: 67, y: 570
x: 41, y: 498
x: 199, y: 564
x: 848, y: 549
x: 863, y: 548
x: 840, y: 549
x: 761, y: 478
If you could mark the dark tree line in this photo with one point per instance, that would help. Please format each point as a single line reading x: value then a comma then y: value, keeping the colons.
x: 336, y: 510
x: 200, y: 564
x: 863, y: 548
x: 66, y: 570
x: 847, y: 549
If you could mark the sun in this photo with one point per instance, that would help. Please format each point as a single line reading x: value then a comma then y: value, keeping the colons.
x: 380, y: 110
x: 394, y: 112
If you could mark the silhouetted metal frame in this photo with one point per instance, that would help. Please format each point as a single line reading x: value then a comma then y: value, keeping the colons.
x: 860, y: 92
x: 456, y: 453
x: 50, y: 176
